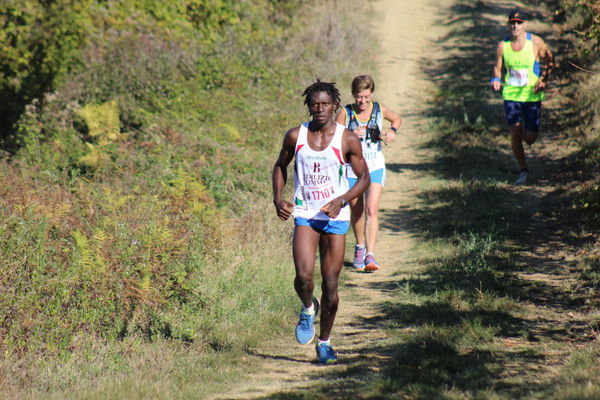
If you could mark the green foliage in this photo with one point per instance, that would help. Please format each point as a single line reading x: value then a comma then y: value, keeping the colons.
x: 588, y: 203
x: 143, y: 245
x: 40, y: 43
x: 586, y: 133
x: 102, y: 121
x: 48, y: 139
x: 584, y: 16
x: 578, y: 379
x: 210, y: 17
x: 138, y: 172
x: 476, y: 253
x: 139, y: 264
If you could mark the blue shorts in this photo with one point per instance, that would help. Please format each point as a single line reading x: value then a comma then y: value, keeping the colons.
x: 527, y: 112
x: 377, y: 176
x: 324, y: 225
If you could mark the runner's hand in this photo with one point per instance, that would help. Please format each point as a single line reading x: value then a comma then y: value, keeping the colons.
x: 284, y: 209
x: 361, y: 132
x: 496, y: 86
x: 539, y: 86
x: 389, y: 137
x: 332, y: 209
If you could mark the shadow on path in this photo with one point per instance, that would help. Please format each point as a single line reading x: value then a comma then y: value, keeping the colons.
x: 526, y: 229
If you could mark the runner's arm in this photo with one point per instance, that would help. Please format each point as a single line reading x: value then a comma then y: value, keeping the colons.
x: 496, y: 81
x: 352, y: 150
x: 395, y: 122
x: 279, y: 178
x: 544, y: 54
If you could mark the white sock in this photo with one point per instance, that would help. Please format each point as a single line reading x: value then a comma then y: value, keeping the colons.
x: 309, y: 310
x: 327, y: 342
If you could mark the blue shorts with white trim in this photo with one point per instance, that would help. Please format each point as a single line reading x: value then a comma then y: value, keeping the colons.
x: 324, y: 225
x: 377, y: 176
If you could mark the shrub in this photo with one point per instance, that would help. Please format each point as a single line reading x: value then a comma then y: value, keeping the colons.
x: 40, y: 42
x: 139, y: 224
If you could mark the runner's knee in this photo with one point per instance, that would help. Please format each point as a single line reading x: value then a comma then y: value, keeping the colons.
x: 330, y: 291
x: 371, y: 212
x: 516, y: 131
x: 330, y: 282
x: 530, y: 137
x: 303, y: 280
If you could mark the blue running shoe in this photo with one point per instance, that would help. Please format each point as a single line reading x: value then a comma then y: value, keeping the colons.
x: 305, y: 328
x: 325, y: 354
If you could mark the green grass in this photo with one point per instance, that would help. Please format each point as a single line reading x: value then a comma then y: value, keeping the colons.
x: 128, y: 369
x: 454, y: 319
x: 151, y: 275
x: 148, y: 265
x: 466, y: 321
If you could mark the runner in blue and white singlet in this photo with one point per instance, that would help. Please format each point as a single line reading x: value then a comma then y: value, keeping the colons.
x: 319, y: 177
x: 365, y: 118
x: 372, y: 150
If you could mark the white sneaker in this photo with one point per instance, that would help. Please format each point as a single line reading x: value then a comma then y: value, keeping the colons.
x: 522, y: 178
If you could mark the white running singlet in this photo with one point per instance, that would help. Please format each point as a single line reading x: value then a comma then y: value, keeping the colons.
x: 319, y: 177
x: 372, y: 152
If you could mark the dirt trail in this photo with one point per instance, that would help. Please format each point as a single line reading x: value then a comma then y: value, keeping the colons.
x: 285, y: 366
x: 407, y: 32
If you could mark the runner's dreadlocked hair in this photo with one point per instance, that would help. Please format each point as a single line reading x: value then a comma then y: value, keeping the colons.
x: 319, y: 86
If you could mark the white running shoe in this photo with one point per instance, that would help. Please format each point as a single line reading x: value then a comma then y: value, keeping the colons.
x: 522, y: 178
x: 359, y: 257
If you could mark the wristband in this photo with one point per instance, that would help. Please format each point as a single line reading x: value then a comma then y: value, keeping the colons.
x: 344, y: 201
x: 394, y: 129
x: 494, y: 79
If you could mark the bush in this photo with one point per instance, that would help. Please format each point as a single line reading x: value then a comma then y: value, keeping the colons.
x: 40, y: 43
x: 137, y: 178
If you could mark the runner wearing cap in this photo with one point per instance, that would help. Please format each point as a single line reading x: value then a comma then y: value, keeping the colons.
x: 522, y: 85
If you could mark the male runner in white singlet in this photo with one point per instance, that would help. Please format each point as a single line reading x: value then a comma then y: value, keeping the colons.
x: 321, y: 148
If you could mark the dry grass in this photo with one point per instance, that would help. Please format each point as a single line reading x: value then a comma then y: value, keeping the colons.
x: 151, y: 277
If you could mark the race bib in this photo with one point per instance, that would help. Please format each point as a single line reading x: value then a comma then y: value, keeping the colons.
x: 518, y: 77
x: 370, y: 154
x: 316, y: 197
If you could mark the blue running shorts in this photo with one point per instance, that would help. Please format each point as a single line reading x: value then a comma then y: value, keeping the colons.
x: 324, y: 225
x: 527, y: 112
x: 377, y: 176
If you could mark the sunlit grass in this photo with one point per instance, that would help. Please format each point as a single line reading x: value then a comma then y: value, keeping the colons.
x: 152, y: 273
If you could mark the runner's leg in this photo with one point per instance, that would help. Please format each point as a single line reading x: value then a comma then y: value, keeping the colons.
x: 530, y: 137
x: 372, y: 224
x: 331, y: 249
x: 532, y: 114
x: 357, y: 219
x: 304, y: 249
x: 516, y: 141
